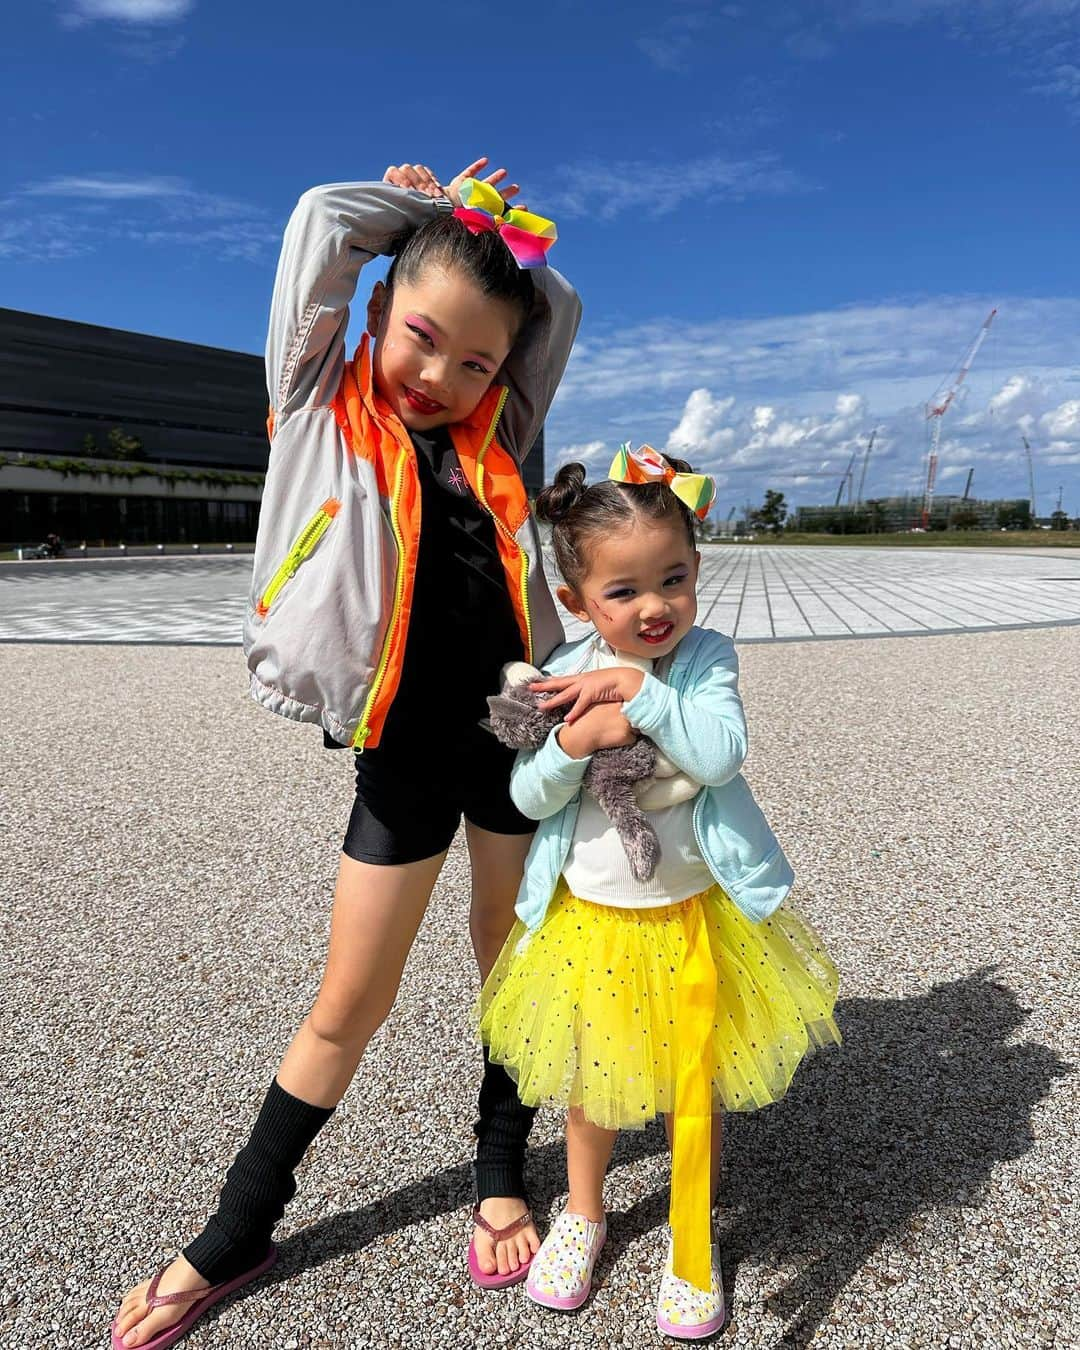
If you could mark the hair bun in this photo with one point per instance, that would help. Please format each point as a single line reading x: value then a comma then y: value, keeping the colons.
x: 555, y: 503
x: 679, y: 465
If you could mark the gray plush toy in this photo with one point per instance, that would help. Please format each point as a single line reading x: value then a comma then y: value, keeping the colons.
x: 519, y: 721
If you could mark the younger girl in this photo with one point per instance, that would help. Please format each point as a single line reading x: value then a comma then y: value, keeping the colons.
x: 395, y: 542
x: 683, y: 994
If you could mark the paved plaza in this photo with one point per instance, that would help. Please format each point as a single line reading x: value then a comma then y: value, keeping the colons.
x: 167, y: 857
x: 754, y: 592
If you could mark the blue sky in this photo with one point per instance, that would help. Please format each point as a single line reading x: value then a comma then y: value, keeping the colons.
x: 787, y: 222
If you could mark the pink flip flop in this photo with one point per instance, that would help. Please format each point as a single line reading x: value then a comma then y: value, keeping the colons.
x: 495, y: 1280
x: 201, y: 1300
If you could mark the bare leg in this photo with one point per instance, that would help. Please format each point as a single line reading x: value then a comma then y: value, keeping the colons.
x: 588, y: 1152
x: 377, y: 911
x: 497, y: 862
x: 716, y: 1151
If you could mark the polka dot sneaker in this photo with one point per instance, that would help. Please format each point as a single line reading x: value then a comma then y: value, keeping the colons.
x: 561, y: 1272
x: 686, y: 1312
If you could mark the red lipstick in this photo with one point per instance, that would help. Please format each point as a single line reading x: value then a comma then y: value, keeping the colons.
x: 426, y: 407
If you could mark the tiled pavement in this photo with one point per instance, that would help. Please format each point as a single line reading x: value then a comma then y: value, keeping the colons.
x: 756, y: 593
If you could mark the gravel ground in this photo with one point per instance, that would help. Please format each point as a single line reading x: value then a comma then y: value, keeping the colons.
x: 168, y: 856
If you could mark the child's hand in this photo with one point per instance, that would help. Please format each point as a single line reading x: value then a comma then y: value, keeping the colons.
x: 417, y: 176
x: 495, y: 179
x: 614, y: 685
x: 602, y: 727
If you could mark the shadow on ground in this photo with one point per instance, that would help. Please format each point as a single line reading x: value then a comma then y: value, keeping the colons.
x: 910, y: 1115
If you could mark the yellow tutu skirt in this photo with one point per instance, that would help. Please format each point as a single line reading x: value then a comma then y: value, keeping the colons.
x: 586, y: 1011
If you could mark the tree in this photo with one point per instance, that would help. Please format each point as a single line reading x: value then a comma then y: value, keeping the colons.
x: 123, y: 446
x: 1014, y: 515
x: 772, y: 514
x: 1059, y: 520
x: 965, y: 518
x: 875, y: 515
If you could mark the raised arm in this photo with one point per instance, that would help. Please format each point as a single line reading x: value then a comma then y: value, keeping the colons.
x: 535, y: 366
x: 332, y: 233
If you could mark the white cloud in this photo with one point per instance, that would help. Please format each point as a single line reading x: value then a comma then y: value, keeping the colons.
x: 701, y: 427
x: 788, y: 400
x: 130, y: 11
x: 154, y: 209
x: 890, y: 354
x: 606, y: 188
x: 591, y: 454
x: 666, y: 52
x: 684, y: 30
x: 107, y: 187
x: 44, y: 239
x: 1038, y: 37
x: 1064, y: 80
x: 1012, y: 396
x: 762, y: 417
x: 1063, y: 423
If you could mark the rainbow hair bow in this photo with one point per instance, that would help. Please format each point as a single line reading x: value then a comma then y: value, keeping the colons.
x: 528, y: 237
x: 646, y: 465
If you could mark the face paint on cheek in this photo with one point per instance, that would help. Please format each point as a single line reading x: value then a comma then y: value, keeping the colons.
x: 596, y: 605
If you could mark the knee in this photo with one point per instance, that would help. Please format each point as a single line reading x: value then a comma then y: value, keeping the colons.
x: 348, y: 1018
x: 489, y: 929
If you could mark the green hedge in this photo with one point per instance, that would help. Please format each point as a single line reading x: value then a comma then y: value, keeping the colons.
x: 66, y: 466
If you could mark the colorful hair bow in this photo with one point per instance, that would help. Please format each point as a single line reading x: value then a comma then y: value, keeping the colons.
x: 528, y: 237
x: 646, y: 465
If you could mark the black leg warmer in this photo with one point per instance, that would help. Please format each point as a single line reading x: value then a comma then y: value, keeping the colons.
x: 257, y: 1188
x: 502, y: 1133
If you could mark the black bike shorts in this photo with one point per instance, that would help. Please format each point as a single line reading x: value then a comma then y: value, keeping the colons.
x: 410, y: 799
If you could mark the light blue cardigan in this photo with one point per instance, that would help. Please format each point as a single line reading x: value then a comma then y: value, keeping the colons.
x: 696, y: 718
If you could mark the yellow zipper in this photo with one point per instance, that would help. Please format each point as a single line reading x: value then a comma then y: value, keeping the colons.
x: 523, y: 584
x: 363, y: 731
x: 310, y: 535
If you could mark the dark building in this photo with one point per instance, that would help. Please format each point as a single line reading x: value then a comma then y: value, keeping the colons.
x: 197, y: 415
x: 61, y: 382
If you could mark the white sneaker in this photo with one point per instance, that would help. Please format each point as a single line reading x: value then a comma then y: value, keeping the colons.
x: 686, y: 1312
x: 560, y: 1275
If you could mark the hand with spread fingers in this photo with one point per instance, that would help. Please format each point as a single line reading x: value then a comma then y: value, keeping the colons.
x: 495, y: 179
x: 615, y: 684
x: 421, y: 179
x: 416, y: 176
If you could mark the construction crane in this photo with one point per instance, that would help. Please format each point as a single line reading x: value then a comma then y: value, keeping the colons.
x: 1031, y: 475
x: 865, y: 458
x: 847, y: 479
x: 939, y: 406
x: 967, y: 485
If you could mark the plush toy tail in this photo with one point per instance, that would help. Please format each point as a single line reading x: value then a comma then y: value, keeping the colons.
x: 616, y: 796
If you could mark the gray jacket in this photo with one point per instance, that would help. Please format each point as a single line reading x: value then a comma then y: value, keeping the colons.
x: 327, y: 616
